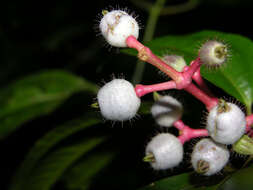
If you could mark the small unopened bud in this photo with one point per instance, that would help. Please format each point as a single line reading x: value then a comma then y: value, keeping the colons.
x: 177, y: 62
x: 213, y: 53
x: 244, y: 145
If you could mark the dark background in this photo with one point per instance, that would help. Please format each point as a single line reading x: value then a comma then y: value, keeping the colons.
x: 39, y: 35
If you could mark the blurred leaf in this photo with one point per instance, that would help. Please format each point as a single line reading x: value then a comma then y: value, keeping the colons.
x: 44, y: 144
x: 240, y: 180
x: 171, y: 183
x: 62, y: 35
x: 235, y: 78
x: 81, y: 175
x: 182, y: 182
x: 37, y: 95
x: 51, y: 168
x: 226, y: 3
x: 145, y: 107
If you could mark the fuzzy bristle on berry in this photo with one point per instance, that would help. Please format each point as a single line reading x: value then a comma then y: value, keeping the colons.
x: 213, y: 53
x: 208, y: 157
x: 116, y: 26
x: 226, y: 123
x: 118, y: 101
x: 164, y: 151
x: 166, y: 110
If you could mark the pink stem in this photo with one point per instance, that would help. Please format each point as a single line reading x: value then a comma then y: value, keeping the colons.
x: 145, y: 54
x: 179, y: 124
x: 142, y: 90
x: 183, y: 80
x: 202, y: 96
x: 195, y: 65
x: 249, y: 121
x: 187, y: 133
x: 201, y: 83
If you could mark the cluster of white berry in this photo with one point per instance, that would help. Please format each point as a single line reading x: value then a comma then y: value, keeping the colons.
x: 118, y: 101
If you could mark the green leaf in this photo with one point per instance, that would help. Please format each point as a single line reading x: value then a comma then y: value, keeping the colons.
x: 185, y: 181
x: 235, y: 77
x: 240, y: 180
x: 37, y: 95
x: 81, y: 175
x: 51, y: 168
x: 171, y: 183
x: 44, y: 144
x: 145, y: 107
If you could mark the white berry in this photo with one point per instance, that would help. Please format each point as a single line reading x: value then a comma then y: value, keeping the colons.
x: 166, y: 111
x: 116, y: 26
x: 208, y: 157
x: 118, y: 101
x: 226, y: 123
x: 213, y: 53
x: 167, y: 151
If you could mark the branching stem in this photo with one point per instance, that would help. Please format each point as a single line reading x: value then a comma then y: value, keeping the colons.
x: 182, y: 80
x: 187, y: 133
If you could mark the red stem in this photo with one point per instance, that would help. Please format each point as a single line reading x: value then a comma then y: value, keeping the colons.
x: 201, y: 83
x: 182, y: 80
x: 187, y: 133
x: 202, y: 96
x: 141, y: 90
x: 249, y: 121
x: 195, y: 65
x: 145, y: 54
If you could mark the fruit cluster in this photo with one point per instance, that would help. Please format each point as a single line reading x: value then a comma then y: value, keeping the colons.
x: 119, y: 100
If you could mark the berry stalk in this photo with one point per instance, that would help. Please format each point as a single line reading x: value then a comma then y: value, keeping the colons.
x: 142, y: 90
x: 182, y: 79
x: 201, y: 83
x: 249, y: 121
x: 195, y: 65
x: 145, y: 54
x: 209, y: 102
x: 187, y: 133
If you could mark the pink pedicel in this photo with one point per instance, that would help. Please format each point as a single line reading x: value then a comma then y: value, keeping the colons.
x: 187, y: 133
x: 141, y: 90
x: 209, y: 102
x: 249, y: 122
x: 194, y: 66
x: 145, y: 54
x: 182, y: 80
x: 200, y: 82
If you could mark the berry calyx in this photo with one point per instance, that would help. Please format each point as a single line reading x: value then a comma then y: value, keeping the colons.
x: 116, y: 26
x: 118, y: 101
x: 164, y: 151
x: 208, y: 157
x: 244, y: 145
x: 226, y: 123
